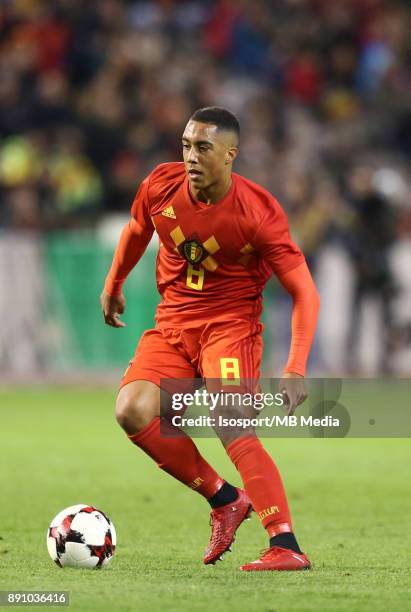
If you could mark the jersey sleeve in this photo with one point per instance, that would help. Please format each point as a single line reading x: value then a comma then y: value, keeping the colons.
x: 273, y: 241
x: 306, y: 304
x: 140, y: 208
x: 133, y: 241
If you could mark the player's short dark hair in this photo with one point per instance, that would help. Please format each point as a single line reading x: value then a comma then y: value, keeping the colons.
x: 216, y: 115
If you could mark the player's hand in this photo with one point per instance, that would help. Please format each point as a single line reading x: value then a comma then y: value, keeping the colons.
x: 292, y: 387
x: 113, y: 306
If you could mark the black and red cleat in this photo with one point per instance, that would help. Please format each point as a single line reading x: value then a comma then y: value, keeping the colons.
x: 224, y: 523
x: 276, y: 559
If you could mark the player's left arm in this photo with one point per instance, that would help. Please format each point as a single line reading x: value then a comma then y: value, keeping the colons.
x: 274, y: 243
x: 306, y: 304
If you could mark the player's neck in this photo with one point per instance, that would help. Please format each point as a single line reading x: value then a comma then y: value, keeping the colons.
x: 213, y: 193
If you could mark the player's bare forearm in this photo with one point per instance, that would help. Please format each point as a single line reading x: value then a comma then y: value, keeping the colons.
x: 112, y: 307
x: 292, y: 386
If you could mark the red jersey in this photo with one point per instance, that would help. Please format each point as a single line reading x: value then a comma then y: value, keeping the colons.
x: 214, y: 259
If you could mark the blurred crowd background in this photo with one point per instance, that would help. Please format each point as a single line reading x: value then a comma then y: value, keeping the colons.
x: 94, y: 95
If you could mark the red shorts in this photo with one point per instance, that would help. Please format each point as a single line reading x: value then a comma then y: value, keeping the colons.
x: 217, y: 350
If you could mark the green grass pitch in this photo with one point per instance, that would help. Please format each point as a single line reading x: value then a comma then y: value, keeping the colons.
x: 62, y: 446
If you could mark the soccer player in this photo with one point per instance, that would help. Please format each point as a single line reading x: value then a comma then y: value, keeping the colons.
x: 221, y: 238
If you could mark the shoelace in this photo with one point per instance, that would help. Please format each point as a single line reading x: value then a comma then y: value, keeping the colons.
x: 264, y: 553
x: 214, y: 517
x: 215, y: 525
x: 268, y: 552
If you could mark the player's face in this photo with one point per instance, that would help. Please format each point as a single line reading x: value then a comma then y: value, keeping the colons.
x: 208, y: 153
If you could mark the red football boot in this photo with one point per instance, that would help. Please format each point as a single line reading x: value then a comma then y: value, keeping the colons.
x: 278, y: 559
x: 224, y: 523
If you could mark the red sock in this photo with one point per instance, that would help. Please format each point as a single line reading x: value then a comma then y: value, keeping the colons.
x: 178, y: 455
x: 262, y: 481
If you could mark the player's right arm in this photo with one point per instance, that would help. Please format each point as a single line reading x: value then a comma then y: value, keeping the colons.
x: 133, y: 242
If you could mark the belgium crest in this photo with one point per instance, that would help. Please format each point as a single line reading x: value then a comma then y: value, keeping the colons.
x: 193, y: 251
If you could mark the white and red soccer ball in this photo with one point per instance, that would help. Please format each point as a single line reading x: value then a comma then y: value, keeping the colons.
x: 81, y: 536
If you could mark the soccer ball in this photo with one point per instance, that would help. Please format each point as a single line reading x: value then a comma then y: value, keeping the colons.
x: 81, y: 536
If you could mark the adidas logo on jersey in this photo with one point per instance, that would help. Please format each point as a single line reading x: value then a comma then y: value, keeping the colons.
x: 169, y: 212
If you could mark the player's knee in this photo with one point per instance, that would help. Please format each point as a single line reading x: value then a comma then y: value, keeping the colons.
x: 134, y: 410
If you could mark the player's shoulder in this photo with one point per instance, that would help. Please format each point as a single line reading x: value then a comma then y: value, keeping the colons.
x: 169, y: 172
x: 163, y: 181
x: 258, y: 200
